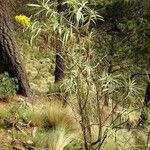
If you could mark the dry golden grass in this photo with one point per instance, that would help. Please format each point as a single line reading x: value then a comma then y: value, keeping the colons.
x: 59, y: 123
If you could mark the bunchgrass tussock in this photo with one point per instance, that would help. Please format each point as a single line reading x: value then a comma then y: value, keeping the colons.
x: 59, y: 124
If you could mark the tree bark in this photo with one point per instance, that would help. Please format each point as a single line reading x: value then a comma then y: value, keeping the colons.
x: 59, y: 69
x: 147, y: 96
x: 10, y: 57
x: 143, y: 116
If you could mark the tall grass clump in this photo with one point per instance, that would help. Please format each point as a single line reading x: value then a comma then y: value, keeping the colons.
x: 58, y: 124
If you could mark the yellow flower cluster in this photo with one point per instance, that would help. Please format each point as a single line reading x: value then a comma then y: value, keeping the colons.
x: 23, y: 20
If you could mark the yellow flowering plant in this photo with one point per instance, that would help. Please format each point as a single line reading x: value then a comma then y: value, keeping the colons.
x: 23, y: 20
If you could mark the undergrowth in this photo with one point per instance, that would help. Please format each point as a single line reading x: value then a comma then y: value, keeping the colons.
x: 8, y: 87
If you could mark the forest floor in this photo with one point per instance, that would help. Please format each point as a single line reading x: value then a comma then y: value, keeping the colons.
x: 15, y: 132
x: 19, y: 132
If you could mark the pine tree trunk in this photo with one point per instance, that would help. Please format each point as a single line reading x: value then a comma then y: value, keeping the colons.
x: 10, y: 57
x: 147, y: 96
x: 59, y: 69
x: 143, y: 116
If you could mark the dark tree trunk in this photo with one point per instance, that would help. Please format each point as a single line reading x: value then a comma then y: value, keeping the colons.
x: 147, y: 96
x: 143, y: 116
x: 10, y: 57
x: 59, y: 69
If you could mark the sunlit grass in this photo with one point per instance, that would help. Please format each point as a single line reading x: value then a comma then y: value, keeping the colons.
x: 59, y: 124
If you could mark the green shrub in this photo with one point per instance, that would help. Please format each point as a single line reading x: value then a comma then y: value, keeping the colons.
x: 8, y: 86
